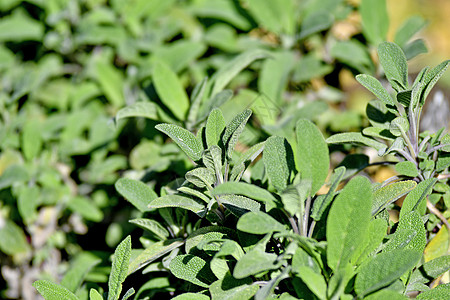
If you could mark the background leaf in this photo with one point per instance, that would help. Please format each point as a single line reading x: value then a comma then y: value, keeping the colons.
x: 119, y: 270
x: 137, y: 192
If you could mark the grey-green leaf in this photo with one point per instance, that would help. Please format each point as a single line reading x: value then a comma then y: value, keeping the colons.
x: 53, y: 291
x: 152, y: 226
x: 357, y: 138
x: 184, y: 139
x: 119, y: 270
x: 179, y: 201
x: 201, y: 177
x: 170, y: 90
x: 94, y: 295
x: 234, y: 130
x: 79, y: 268
x: 373, y: 85
x: 407, y: 30
x: 384, y: 269
x: 214, y: 127
x: 431, y: 77
x: 138, y: 109
x: 348, y: 221
x: 189, y: 267
x: 230, y: 288
x: 312, y: 154
x: 259, y: 223
x: 254, y: 262
x: 398, y: 126
x: 394, y: 64
x: 315, y: 281
x: 136, y: 192
x: 440, y: 292
x: 275, y: 157
x: 407, y: 168
x: 375, y: 20
x: 239, y: 205
x: 388, y: 194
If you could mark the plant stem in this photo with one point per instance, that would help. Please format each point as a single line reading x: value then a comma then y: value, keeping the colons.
x: 306, y: 215
x: 311, y: 228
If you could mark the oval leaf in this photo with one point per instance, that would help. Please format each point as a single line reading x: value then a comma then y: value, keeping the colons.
x: 136, y: 192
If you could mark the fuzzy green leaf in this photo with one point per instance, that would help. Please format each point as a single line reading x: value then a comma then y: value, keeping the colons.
x: 230, y: 288
x: 152, y: 253
x: 31, y: 139
x: 170, y: 89
x: 138, y: 109
x: 208, y: 233
x: 184, y: 139
x: 388, y: 194
x: 214, y: 127
x: 394, y: 64
x: 119, y: 270
x: 191, y: 296
x: 234, y: 130
x: 200, y: 177
x: 375, y: 20
x: 413, y: 221
x: 259, y: 223
x: 152, y: 226
x: 245, y: 189
x: 195, y: 193
x: 12, y: 238
x: 316, y: 22
x: 276, y: 161
x: 322, y: 203
x: 440, y: 292
x: 375, y: 235
x: 189, y: 267
x: 254, y: 262
x: 384, y: 269
x: 315, y: 281
x: 407, y: 30
x: 136, y: 192
x: 373, y: 85
x: 53, y: 291
x: 348, y: 221
x: 379, y: 132
x: 85, y: 208
x: 407, y: 168
x: 386, y: 294
x: 431, y: 78
x: 94, y: 295
x: 239, y: 205
x: 355, y: 137
x: 399, y: 125
x: 312, y: 154
x: 178, y: 201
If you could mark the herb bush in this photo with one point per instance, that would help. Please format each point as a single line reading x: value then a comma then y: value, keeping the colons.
x: 234, y: 210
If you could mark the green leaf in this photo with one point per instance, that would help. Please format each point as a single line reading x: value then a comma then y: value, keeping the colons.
x: 354, y: 54
x: 316, y: 22
x: 276, y: 16
x: 27, y: 203
x: 373, y: 239
x: 440, y: 292
x: 94, y: 295
x: 259, y: 223
x: 138, y: 109
x: 406, y: 168
x: 234, y: 130
x: 312, y: 154
x: 152, y: 226
x: 254, y: 262
x: 214, y: 127
x: 193, y: 192
x: 196, y: 101
x: 348, y: 221
x: 386, y: 294
x: 208, y: 233
x: 119, y: 270
x: 201, y: 177
x: 53, y: 291
x: 315, y: 281
x: 388, y: 194
x: 384, y: 269
x: 431, y: 78
x: 394, y: 64
x: 178, y: 201
x: 322, y: 203
x: 191, y: 296
x: 152, y: 253
x: 357, y: 138
x: 19, y: 27
x: 373, y: 85
x: 230, y: 288
x: 214, y: 102
x: 136, y: 192
x: 276, y: 161
x: 85, y: 208
x: 111, y: 82
x: 128, y: 294
x: 399, y: 125
x: 79, y: 268
x: 229, y: 70
x: 415, y: 48
x: 408, y: 29
x: 12, y: 175
x: 375, y: 20
x: 239, y: 205
x: 191, y: 268
x: 12, y: 238
x: 184, y: 139
x: 378, y: 132
x: 170, y: 90
x: 31, y: 139
x: 413, y: 221
x: 245, y: 189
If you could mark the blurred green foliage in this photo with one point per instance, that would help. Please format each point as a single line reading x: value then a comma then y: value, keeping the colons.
x: 73, y: 72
